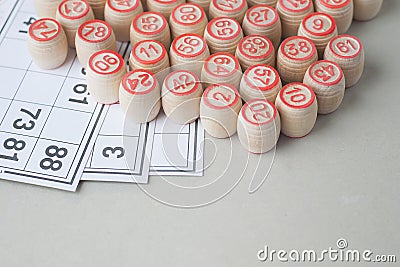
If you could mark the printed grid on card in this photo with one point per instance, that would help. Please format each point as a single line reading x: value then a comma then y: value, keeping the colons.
x: 48, y: 124
x: 176, y: 149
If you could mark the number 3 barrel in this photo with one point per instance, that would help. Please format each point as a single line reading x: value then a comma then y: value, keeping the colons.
x: 104, y: 73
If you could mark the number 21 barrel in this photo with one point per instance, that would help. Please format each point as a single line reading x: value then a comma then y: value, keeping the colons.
x: 347, y: 51
x: 71, y: 14
x: 103, y: 76
x: 47, y: 43
x: 297, y: 106
x: 258, y: 126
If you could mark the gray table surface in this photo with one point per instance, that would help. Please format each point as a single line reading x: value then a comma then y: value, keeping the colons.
x: 341, y: 181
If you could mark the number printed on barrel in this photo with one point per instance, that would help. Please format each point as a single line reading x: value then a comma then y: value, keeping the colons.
x: 262, y: 15
x: 139, y: 82
x: 123, y: 5
x: 148, y: 52
x: 298, y: 48
x: 296, y: 5
x: 181, y: 82
x: 325, y: 72
x: 255, y: 46
x: 259, y: 111
x: 345, y: 46
x: 44, y: 30
x: 319, y: 24
x: 94, y: 31
x: 106, y: 62
x: 220, y: 96
x: 228, y: 5
x: 297, y: 95
x: 334, y: 3
x: 189, y: 45
x: 223, y: 28
x: 221, y: 64
x: 149, y: 23
x: 261, y: 77
x: 187, y: 14
x: 73, y: 9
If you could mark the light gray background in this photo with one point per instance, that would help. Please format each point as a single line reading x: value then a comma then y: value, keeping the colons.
x: 342, y: 180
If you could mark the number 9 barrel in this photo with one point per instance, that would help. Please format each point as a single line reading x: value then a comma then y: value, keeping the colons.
x: 297, y: 106
x: 139, y: 95
x: 340, y: 10
x: 319, y: 28
x: 219, y: 108
x: 47, y: 43
x: 93, y: 36
x: 103, y: 76
x: 347, y: 51
x: 181, y: 94
x: 258, y: 126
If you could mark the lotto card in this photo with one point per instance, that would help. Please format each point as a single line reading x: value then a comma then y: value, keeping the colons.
x: 48, y: 123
